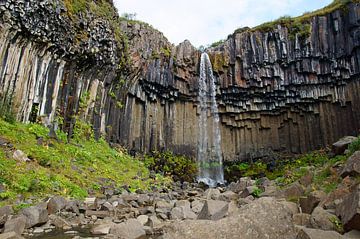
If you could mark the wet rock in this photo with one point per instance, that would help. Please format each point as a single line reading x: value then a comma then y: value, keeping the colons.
x: 131, y: 229
x: 308, y: 233
x: 35, y: 215
x: 349, y: 210
x: 321, y: 219
x: 59, y: 222
x: 213, y: 210
x: 352, y: 166
x: 341, y: 145
x: 56, y: 204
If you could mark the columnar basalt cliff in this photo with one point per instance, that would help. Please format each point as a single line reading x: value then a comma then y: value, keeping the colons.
x: 277, y: 89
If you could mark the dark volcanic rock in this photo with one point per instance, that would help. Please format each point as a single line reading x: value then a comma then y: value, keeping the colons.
x: 349, y: 210
x: 340, y: 146
x: 352, y: 166
x: 35, y: 215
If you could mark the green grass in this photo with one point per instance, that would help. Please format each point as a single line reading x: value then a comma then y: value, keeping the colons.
x: 299, y: 25
x: 69, y: 169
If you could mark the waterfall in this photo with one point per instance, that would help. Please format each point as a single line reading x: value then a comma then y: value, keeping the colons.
x: 209, y: 154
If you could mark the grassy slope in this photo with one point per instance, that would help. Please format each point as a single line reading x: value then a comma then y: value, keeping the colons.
x: 64, y: 168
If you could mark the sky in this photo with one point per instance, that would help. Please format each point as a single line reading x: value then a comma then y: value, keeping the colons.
x: 206, y: 21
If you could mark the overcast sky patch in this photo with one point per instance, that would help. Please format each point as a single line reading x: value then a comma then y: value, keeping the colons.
x: 206, y: 21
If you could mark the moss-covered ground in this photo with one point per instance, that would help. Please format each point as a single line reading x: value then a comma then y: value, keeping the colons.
x: 60, y: 167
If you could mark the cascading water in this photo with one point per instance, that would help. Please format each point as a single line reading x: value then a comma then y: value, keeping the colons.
x: 209, y: 154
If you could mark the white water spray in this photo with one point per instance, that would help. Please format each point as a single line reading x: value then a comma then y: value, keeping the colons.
x: 209, y: 154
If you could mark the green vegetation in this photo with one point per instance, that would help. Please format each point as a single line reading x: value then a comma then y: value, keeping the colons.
x: 70, y: 169
x: 217, y: 43
x: 355, y: 146
x: 299, y: 25
x: 319, y: 164
x: 75, y: 6
x: 181, y: 168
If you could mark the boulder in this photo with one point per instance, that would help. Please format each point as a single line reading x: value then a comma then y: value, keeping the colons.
x: 197, y: 205
x: 322, y: 219
x: 154, y: 221
x: 342, y: 144
x: 56, y: 204
x: 143, y: 219
x: 293, y: 191
x: 349, y: 210
x: 183, y: 212
x: 354, y: 234
x: 5, y: 212
x: 101, y: 229
x: 163, y: 207
x: 59, y: 222
x: 263, y: 218
x: 293, y: 207
x: 212, y: 194
x: 10, y: 235
x: 16, y: 225
x: 240, y: 185
x: 20, y: 156
x: 90, y: 203
x: 98, y: 214
x: 352, y: 166
x: 302, y: 219
x: 307, y: 204
x: 228, y: 196
x: 35, y: 215
x: 248, y: 191
x: 309, y: 233
x: 131, y: 229
x: 213, y: 210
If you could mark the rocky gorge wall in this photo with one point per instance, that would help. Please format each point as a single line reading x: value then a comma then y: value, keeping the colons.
x: 277, y: 91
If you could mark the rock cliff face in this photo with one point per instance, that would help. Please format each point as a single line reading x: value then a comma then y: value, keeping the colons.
x: 276, y: 90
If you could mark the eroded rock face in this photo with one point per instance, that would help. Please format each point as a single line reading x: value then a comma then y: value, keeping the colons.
x: 275, y: 91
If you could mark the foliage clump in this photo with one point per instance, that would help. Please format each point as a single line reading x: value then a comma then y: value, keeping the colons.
x: 71, y: 169
x: 180, y: 168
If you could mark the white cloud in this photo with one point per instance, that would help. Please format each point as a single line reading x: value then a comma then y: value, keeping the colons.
x: 206, y: 21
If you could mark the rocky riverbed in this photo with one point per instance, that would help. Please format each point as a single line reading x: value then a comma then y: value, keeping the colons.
x: 245, y: 209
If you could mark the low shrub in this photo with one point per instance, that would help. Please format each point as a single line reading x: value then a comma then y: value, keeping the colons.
x: 180, y: 168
